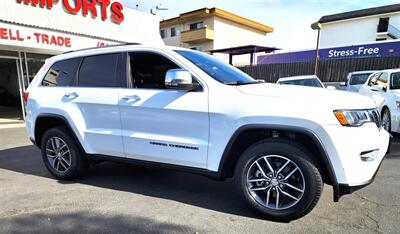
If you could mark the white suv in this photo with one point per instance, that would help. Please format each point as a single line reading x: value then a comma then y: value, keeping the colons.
x: 384, y: 88
x: 184, y: 109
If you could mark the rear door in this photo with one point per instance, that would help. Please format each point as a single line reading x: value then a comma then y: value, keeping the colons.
x: 96, y: 99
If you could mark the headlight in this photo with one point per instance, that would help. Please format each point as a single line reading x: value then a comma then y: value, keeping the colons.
x: 354, y: 117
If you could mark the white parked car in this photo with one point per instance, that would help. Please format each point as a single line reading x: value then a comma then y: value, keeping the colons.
x: 384, y: 88
x: 184, y: 109
x: 356, y: 79
x: 308, y: 80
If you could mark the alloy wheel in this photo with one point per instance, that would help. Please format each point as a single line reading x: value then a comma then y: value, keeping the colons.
x: 58, y: 154
x: 275, y: 182
x: 386, y: 120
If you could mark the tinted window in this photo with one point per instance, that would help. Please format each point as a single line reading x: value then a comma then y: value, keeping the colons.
x: 217, y: 69
x: 303, y: 82
x: 148, y: 70
x: 358, y: 79
x: 396, y: 80
x: 62, y: 73
x: 99, y: 71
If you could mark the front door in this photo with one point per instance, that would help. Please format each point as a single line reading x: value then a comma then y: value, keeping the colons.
x: 159, y: 124
x: 370, y: 89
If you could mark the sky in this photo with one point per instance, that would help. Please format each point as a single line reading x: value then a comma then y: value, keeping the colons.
x: 291, y: 19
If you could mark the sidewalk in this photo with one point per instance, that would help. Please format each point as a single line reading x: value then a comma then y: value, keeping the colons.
x: 11, y: 123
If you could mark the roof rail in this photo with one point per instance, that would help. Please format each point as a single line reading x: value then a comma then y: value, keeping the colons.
x: 101, y: 47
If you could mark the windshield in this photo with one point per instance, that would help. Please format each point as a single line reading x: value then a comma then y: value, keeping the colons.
x: 303, y: 82
x: 396, y: 80
x: 217, y: 69
x: 359, y: 79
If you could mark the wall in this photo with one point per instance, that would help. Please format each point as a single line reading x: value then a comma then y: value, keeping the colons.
x: 228, y: 34
x: 173, y: 41
x: 334, y: 70
x: 138, y: 26
x: 354, y: 31
x: 176, y: 41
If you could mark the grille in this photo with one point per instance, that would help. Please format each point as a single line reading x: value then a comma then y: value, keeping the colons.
x: 375, y: 117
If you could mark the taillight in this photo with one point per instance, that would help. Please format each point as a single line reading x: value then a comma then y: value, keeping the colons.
x: 25, y: 96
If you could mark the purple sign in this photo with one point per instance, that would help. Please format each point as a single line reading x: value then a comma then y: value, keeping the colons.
x: 384, y: 49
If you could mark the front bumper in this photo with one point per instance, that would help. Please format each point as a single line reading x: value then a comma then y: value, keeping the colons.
x: 344, y: 189
x: 347, y: 148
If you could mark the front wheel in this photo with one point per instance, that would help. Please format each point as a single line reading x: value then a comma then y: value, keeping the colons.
x: 279, y: 180
x: 386, y: 120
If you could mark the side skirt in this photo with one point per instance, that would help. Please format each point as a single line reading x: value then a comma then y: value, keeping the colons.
x: 199, y: 171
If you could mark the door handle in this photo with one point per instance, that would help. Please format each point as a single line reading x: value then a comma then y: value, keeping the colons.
x: 71, y: 95
x: 133, y: 97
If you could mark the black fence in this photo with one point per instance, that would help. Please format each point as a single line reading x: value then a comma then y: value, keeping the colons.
x: 334, y: 70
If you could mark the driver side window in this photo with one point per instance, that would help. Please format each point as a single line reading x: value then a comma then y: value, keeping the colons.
x: 383, y: 80
x: 372, y: 81
x: 147, y: 70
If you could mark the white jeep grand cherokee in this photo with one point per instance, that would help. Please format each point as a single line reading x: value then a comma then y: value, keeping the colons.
x: 184, y: 109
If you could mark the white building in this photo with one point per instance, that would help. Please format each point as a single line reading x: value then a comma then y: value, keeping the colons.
x: 32, y: 30
x: 361, y: 26
x: 209, y: 29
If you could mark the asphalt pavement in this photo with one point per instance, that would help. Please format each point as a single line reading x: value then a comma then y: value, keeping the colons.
x: 118, y: 198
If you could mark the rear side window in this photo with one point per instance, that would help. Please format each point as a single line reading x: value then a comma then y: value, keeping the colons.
x: 99, y: 71
x: 62, y: 73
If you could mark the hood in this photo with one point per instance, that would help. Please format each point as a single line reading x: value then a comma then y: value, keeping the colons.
x: 353, y: 88
x: 334, y: 99
x: 395, y: 92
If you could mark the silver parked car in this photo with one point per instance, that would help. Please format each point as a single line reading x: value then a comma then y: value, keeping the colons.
x: 356, y: 79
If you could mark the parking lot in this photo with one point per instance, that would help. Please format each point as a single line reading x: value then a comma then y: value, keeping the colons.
x: 115, y: 198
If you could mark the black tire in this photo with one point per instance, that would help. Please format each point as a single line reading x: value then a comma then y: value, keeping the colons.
x: 301, y: 158
x: 78, y: 163
x: 386, y: 111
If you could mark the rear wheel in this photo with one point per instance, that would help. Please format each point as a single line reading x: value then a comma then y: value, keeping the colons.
x: 386, y: 120
x: 279, y: 180
x: 61, y: 154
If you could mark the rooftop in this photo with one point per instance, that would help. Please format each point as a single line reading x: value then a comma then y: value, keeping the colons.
x: 247, y: 49
x: 360, y: 13
x: 207, y: 12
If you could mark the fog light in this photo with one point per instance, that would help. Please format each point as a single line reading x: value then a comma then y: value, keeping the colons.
x: 369, y: 155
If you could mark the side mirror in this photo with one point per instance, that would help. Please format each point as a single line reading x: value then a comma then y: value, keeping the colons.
x: 377, y: 88
x: 179, y: 79
x: 331, y: 87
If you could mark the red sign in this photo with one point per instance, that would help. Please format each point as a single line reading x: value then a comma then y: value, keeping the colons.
x: 104, y: 8
x: 39, y: 38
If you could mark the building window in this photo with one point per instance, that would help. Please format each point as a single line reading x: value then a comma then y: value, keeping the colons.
x: 383, y: 24
x: 173, y: 32
x: 163, y: 33
x: 196, y: 25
